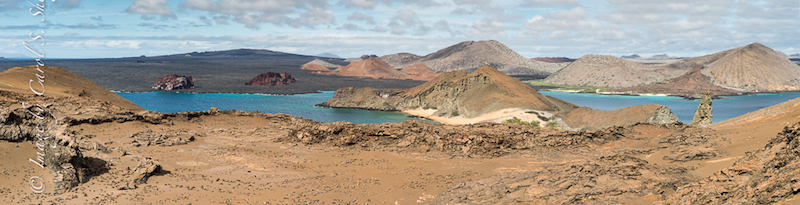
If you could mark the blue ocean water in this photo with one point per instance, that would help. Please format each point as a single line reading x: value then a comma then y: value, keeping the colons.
x: 731, y: 106
x: 301, y: 105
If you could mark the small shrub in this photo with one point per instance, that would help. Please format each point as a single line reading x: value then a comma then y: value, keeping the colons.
x: 553, y: 124
x: 454, y: 113
x: 535, y: 124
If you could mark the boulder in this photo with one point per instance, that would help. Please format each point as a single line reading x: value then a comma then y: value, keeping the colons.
x: 702, y: 116
x: 174, y: 82
x: 272, y: 79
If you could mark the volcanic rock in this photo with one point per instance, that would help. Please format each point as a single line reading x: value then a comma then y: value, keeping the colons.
x: 321, y: 63
x: 688, y: 85
x: 419, y: 69
x: 456, y: 93
x: 702, y: 117
x: 471, y: 55
x: 613, y: 72
x: 483, y: 140
x: 174, y: 82
x: 766, y: 176
x: 554, y: 59
x: 59, y: 83
x: 753, y: 67
x: 370, y: 68
x: 314, y: 67
x: 589, y: 118
x: 272, y: 79
x: 632, y: 56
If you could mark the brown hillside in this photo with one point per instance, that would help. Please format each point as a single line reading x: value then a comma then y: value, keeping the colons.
x: 419, y: 69
x: 456, y: 93
x: 314, y: 67
x: 400, y: 59
x: 370, y: 68
x: 470, y: 55
x: 322, y: 63
x: 60, y: 82
x: 613, y: 72
x: 589, y: 118
x: 754, y: 66
x: 689, y: 84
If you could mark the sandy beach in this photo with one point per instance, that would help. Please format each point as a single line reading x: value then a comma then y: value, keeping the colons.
x: 496, y: 116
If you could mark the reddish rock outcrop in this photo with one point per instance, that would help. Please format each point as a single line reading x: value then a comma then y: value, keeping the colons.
x: 272, y: 79
x: 174, y: 82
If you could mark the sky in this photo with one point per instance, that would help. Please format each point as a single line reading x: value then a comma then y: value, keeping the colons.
x: 351, y: 28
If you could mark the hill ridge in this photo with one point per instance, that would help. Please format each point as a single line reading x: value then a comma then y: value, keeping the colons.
x: 471, y: 55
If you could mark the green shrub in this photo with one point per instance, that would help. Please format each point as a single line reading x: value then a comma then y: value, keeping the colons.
x: 553, y: 124
x: 535, y: 124
x: 454, y: 113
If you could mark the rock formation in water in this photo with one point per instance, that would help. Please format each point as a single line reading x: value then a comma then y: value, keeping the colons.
x: 272, y: 79
x: 702, y: 117
x: 588, y: 118
x: 456, y: 93
x: 174, y: 82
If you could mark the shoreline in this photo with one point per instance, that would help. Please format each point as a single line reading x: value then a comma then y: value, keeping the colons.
x: 686, y: 97
x: 194, y: 92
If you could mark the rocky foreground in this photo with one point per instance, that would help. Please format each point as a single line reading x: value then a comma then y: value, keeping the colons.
x: 107, y: 154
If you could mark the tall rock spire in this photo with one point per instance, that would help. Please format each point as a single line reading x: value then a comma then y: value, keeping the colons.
x: 702, y: 116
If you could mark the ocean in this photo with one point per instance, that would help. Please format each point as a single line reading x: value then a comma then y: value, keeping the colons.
x: 723, y: 109
x: 303, y: 105
x: 300, y: 105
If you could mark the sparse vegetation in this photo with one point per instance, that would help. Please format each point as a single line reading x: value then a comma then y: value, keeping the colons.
x: 430, y: 107
x: 553, y: 124
x: 454, y: 113
x: 533, y: 123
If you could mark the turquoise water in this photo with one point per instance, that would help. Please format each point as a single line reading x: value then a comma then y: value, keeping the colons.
x: 724, y: 109
x: 301, y: 105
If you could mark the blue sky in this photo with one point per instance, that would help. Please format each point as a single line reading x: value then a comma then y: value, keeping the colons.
x: 349, y: 28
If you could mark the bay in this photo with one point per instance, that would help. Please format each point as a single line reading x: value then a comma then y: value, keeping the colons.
x: 723, y: 109
x: 303, y: 105
x: 300, y: 105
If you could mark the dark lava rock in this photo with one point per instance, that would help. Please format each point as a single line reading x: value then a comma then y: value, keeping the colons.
x: 174, y: 82
x: 766, y: 176
x: 272, y: 79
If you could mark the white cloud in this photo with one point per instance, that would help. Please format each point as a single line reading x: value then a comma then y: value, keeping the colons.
x: 407, y: 19
x: 358, y: 16
x: 154, y: 7
x: 365, y: 4
x: 278, y: 12
x: 531, y: 3
x: 487, y: 28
